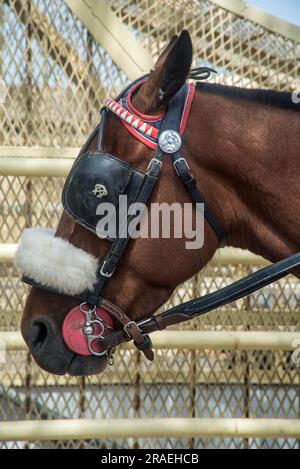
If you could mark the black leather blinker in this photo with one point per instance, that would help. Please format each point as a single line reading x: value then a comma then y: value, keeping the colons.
x: 96, y: 178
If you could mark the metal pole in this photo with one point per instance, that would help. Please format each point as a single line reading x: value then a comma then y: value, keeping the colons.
x: 77, y: 429
x: 197, y: 340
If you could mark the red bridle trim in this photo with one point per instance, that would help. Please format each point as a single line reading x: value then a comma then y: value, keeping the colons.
x: 142, y: 138
x: 138, y: 124
x: 187, y: 107
x: 130, y: 119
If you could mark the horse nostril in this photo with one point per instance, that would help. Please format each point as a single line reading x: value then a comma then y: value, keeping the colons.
x: 37, y: 334
x: 45, y: 342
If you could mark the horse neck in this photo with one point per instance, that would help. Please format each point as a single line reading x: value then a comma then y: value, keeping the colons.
x: 244, y: 156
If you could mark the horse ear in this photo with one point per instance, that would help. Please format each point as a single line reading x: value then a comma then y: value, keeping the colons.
x: 166, y: 51
x: 170, y: 73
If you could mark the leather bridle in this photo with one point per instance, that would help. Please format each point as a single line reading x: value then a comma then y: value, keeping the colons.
x: 139, y: 331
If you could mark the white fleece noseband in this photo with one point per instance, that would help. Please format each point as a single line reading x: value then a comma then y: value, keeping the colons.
x: 54, y: 262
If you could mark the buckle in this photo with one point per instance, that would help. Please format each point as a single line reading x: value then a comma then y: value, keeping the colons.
x: 154, y: 161
x: 103, y: 273
x: 183, y: 160
x: 90, y: 340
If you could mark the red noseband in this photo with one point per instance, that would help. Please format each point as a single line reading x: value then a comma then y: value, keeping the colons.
x: 81, y: 328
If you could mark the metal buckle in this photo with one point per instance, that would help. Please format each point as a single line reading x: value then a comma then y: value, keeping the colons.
x: 88, y: 328
x: 154, y: 161
x: 128, y: 324
x: 90, y: 340
x: 177, y: 161
x: 103, y: 273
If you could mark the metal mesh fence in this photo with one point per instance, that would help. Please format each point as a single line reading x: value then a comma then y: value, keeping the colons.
x: 243, y: 52
x: 56, y: 76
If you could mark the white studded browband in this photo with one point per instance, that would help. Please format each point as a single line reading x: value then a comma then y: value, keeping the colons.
x: 132, y: 120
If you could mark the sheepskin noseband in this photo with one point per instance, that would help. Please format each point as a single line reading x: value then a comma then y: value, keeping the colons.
x: 54, y: 262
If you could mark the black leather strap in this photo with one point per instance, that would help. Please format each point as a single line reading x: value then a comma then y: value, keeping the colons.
x: 172, y: 122
x: 114, y: 255
x: 102, y: 126
x: 174, y: 112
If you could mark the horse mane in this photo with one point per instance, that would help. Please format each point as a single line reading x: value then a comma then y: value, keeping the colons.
x: 277, y: 99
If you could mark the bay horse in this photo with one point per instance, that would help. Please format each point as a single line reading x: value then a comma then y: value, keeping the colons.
x: 243, y: 148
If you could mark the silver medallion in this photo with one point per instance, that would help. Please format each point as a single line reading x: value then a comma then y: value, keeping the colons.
x: 169, y: 141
